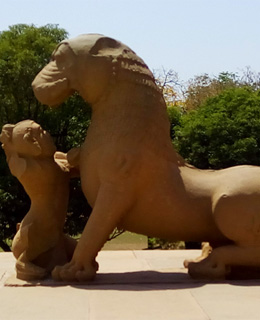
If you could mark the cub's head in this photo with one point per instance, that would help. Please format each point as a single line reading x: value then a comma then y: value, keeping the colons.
x: 27, y: 138
x: 24, y: 140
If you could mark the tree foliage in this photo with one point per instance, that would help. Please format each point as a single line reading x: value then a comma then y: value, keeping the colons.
x: 171, y: 86
x: 202, y: 87
x: 174, y: 113
x: 224, y: 131
x: 24, y: 51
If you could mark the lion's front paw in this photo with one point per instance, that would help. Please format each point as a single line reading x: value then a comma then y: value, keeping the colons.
x: 74, y: 272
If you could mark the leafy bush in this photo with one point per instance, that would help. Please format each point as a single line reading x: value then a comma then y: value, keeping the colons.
x: 223, y: 132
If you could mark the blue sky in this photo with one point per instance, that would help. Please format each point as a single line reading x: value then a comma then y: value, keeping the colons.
x: 189, y: 36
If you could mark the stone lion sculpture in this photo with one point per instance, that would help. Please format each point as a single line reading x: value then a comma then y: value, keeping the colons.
x: 39, y: 244
x: 132, y: 176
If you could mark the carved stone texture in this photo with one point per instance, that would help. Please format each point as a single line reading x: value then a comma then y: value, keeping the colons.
x: 39, y: 244
x: 130, y: 172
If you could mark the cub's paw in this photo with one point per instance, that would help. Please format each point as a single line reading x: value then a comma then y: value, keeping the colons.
x: 29, y: 272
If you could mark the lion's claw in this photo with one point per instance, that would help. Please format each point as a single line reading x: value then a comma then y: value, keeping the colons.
x: 83, y: 276
x: 71, y: 272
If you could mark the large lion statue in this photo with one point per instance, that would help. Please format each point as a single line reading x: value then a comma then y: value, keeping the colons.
x: 132, y: 176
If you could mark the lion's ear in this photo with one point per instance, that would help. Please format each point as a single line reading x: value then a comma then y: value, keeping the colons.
x: 105, y: 46
x: 17, y: 165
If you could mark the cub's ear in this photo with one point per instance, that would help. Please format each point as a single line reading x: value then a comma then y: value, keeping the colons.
x: 6, y: 134
x: 17, y: 165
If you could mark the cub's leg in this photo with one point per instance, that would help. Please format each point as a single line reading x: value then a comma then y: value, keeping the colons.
x: 26, y: 270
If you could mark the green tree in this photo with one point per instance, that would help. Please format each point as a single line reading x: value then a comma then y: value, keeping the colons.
x: 202, y: 87
x: 174, y: 113
x: 223, y: 132
x: 24, y: 50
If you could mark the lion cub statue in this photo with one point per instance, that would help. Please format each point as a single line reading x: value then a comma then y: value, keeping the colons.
x: 39, y: 244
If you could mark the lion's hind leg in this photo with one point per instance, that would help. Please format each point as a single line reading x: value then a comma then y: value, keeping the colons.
x: 206, y: 250
x: 219, y: 264
x: 237, y: 216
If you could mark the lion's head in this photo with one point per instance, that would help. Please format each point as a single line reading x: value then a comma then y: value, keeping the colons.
x: 88, y: 64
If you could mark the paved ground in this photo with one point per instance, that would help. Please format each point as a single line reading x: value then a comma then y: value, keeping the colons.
x: 131, y: 285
